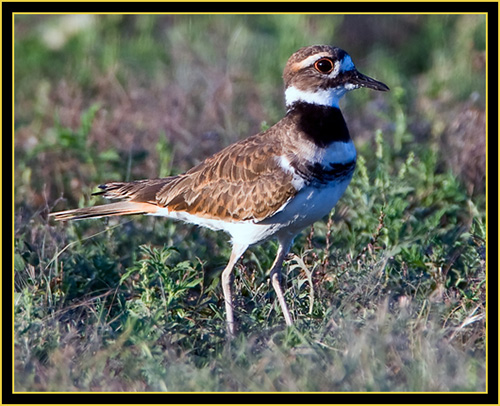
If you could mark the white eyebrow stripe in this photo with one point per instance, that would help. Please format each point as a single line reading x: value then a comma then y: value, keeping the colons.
x: 343, y: 66
x: 309, y: 61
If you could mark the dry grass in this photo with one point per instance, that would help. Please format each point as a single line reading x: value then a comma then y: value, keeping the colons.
x: 389, y: 295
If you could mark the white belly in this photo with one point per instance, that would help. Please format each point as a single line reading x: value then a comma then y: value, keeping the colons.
x: 309, y: 205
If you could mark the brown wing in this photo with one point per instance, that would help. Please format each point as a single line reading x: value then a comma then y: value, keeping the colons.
x: 241, y: 182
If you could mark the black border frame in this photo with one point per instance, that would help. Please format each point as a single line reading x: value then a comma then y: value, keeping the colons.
x: 10, y: 8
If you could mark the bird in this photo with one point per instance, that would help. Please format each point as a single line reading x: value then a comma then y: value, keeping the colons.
x: 270, y: 185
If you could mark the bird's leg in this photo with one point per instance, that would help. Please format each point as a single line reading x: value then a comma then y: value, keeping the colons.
x: 275, y: 274
x: 227, y: 280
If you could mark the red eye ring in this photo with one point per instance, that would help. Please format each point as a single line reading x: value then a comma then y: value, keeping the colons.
x: 324, y: 65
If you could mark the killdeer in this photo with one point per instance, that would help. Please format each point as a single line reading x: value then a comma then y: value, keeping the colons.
x: 270, y: 185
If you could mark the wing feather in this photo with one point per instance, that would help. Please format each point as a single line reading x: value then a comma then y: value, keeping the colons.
x: 242, y: 182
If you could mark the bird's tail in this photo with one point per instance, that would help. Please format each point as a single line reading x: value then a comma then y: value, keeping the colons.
x: 105, y: 210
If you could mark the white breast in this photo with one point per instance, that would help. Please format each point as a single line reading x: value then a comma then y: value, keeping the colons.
x: 308, y: 206
x: 337, y: 153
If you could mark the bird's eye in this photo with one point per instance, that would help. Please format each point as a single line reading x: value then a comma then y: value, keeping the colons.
x: 324, y: 65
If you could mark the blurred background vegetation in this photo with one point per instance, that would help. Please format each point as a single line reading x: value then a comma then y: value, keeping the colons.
x: 389, y: 293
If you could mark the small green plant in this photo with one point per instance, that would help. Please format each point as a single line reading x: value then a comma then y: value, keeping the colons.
x: 388, y: 293
x: 165, y: 294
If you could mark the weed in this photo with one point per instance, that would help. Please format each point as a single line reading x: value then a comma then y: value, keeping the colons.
x: 388, y: 293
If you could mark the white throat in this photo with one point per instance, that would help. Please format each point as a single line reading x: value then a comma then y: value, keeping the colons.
x: 323, y: 97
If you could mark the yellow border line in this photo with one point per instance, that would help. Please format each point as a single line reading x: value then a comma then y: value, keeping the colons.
x: 244, y: 13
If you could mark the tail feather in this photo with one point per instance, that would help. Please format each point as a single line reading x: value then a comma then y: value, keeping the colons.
x: 106, y: 210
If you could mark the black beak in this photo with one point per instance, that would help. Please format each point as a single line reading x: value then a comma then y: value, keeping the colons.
x: 359, y: 80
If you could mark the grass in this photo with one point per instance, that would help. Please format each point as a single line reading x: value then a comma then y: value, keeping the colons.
x: 388, y: 292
